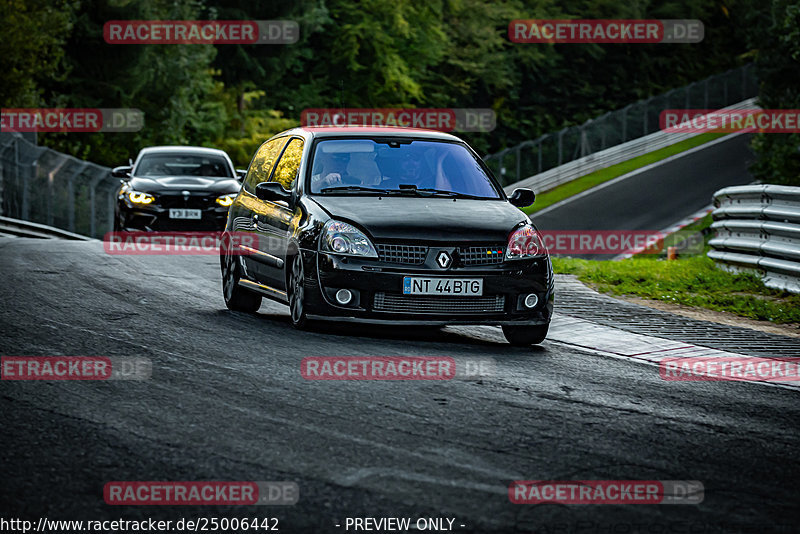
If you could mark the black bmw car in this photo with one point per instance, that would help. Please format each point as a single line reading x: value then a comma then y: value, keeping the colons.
x: 385, y: 225
x: 175, y: 188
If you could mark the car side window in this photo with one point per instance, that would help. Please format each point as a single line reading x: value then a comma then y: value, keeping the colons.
x: 262, y: 163
x: 289, y: 165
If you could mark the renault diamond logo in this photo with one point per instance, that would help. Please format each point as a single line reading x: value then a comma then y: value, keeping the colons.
x: 185, y: 195
x: 443, y: 259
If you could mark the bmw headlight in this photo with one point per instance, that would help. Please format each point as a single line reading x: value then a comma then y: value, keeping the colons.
x: 525, y: 242
x: 345, y: 239
x: 140, y: 198
x: 226, y: 200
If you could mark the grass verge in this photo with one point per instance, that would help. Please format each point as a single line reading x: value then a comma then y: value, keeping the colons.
x: 548, y: 198
x: 692, y: 281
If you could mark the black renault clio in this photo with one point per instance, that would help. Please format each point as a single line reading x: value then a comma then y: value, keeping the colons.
x: 385, y: 225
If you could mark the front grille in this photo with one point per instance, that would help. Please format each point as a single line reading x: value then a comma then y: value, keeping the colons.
x: 192, y: 202
x: 421, y: 304
x: 483, y: 255
x: 404, y: 254
x: 188, y: 225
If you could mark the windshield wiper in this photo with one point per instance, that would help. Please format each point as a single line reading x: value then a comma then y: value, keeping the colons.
x: 454, y: 194
x: 404, y: 188
x: 429, y: 192
x: 356, y: 188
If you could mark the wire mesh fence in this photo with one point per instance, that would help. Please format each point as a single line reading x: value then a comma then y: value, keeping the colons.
x: 616, y: 127
x: 41, y: 185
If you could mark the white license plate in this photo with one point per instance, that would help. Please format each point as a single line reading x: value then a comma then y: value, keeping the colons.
x: 184, y: 214
x: 472, y: 287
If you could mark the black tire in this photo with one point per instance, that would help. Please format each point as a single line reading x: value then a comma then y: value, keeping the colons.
x: 236, y: 297
x: 296, y: 289
x: 524, y: 336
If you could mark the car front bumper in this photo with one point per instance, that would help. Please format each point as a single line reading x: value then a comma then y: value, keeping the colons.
x: 379, y: 298
x: 156, y: 218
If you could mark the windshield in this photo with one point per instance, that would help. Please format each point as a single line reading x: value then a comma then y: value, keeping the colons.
x: 206, y: 165
x: 402, y: 166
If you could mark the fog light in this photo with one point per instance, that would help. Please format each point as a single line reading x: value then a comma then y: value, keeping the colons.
x: 530, y: 301
x: 344, y: 296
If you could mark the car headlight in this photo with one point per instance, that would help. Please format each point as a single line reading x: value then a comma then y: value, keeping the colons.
x: 226, y: 200
x: 140, y: 198
x: 525, y: 242
x: 345, y: 239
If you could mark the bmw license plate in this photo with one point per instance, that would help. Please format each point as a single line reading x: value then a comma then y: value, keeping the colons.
x: 471, y: 287
x: 184, y: 214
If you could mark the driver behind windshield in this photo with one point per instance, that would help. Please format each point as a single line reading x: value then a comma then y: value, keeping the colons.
x: 329, y: 169
x: 413, y: 169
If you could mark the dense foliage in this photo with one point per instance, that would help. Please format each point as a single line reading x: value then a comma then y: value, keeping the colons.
x: 375, y: 53
x: 778, y: 42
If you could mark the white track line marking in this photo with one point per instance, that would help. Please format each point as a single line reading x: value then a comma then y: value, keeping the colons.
x: 609, y: 341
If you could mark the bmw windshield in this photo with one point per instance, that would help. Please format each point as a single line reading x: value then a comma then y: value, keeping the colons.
x: 398, y: 166
x: 160, y: 165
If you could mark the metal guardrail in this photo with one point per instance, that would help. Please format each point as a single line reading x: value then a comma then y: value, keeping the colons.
x: 611, y: 156
x: 41, y: 185
x: 757, y: 228
x: 17, y: 228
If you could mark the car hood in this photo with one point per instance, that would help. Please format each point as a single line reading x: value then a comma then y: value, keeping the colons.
x: 426, y: 219
x: 164, y: 184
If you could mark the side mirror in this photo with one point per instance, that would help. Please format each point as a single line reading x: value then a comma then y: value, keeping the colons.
x: 122, y: 172
x: 240, y: 174
x: 272, y: 191
x: 522, y: 197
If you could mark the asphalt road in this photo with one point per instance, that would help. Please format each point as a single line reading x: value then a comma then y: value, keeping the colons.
x: 226, y: 402
x: 656, y: 198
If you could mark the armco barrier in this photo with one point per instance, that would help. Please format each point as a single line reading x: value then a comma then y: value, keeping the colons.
x: 18, y: 228
x: 757, y: 228
x: 610, y: 156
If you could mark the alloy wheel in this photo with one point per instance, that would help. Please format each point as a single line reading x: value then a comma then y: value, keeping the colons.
x: 297, y: 292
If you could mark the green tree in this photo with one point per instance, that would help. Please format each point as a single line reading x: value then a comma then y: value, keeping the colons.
x: 778, y: 68
x: 32, y: 48
x: 374, y: 53
x: 174, y: 85
x: 566, y: 84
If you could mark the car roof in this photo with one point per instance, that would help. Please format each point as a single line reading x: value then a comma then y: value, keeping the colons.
x: 346, y: 131
x: 185, y: 149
